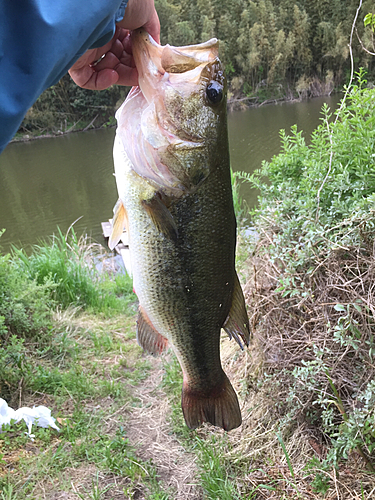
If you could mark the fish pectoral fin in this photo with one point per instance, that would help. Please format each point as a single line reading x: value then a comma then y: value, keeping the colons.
x: 161, y: 216
x: 148, y: 337
x: 237, y: 323
x: 119, y: 223
x: 218, y: 405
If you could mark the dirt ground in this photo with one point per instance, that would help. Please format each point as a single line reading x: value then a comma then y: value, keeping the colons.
x: 149, y: 432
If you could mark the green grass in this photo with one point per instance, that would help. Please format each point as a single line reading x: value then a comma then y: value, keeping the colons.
x: 67, y: 340
x: 83, y: 393
x: 69, y: 265
x: 217, y: 477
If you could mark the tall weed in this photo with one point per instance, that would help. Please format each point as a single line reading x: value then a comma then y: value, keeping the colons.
x: 71, y: 264
x: 313, y: 267
x: 57, y: 274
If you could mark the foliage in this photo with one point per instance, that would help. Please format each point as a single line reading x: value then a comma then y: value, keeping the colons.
x: 312, y: 283
x: 369, y: 20
x: 63, y: 273
x: 316, y: 194
x: 65, y: 107
x: 24, y: 304
x: 216, y: 478
x: 270, y: 50
x: 270, y: 46
x: 238, y: 202
x: 84, y: 392
x: 74, y: 363
x: 72, y: 265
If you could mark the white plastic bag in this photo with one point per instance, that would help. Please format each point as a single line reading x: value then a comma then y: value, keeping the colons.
x: 37, y: 415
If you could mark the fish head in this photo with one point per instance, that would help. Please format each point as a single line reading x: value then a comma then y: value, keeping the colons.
x: 177, y: 116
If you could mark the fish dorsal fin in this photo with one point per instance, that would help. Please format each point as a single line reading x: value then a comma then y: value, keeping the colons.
x: 119, y: 223
x: 148, y: 337
x: 161, y: 217
x: 237, y: 323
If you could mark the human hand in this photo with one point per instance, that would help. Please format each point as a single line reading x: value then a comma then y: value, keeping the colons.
x: 98, y: 69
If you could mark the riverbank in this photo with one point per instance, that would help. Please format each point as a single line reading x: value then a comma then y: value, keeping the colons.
x: 237, y: 101
x: 305, y: 385
x: 30, y: 136
x: 122, y: 433
x: 305, y: 88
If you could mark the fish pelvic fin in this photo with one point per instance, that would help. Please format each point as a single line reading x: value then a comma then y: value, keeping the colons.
x: 161, y: 217
x: 148, y: 337
x: 119, y: 223
x: 219, y: 407
x: 237, y: 323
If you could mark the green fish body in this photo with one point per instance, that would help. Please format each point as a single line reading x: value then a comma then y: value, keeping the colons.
x: 175, y: 199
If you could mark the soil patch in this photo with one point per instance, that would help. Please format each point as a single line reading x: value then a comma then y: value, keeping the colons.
x: 151, y: 434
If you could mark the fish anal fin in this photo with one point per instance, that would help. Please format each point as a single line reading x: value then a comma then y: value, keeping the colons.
x: 161, y: 216
x: 237, y: 323
x: 219, y: 406
x: 148, y: 337
x: 119, y: 223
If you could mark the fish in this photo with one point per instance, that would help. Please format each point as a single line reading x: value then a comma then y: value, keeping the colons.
x: 172, y: 170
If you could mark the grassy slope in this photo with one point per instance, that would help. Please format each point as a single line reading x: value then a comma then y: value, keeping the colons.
x: 305, y: 385
x: 90, y: 393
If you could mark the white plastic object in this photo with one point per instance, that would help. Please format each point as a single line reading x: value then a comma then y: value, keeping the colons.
x: 37, y: 415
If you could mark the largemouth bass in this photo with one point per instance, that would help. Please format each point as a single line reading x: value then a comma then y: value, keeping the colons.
x: 173, y: 177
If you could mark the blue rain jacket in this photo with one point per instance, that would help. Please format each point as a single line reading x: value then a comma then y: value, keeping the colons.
x: 39, y: 41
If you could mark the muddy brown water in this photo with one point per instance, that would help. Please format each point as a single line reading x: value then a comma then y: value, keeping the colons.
x: 52, y: 182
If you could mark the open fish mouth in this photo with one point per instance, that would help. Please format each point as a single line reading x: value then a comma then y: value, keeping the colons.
x: 166, y: 137
x: 162, y: 66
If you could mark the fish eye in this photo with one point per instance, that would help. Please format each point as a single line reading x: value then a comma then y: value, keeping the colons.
x: 214, y: 92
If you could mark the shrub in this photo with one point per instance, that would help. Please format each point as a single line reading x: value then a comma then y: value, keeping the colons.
x: 314, y: 271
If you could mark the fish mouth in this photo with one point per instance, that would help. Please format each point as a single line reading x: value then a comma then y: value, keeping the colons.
x: 159, y: 124
x: 159, y: 66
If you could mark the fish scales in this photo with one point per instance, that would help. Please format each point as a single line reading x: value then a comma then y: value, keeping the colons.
x: 176, y: 200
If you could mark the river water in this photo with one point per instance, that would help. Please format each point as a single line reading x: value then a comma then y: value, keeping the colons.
x: 53, y: 182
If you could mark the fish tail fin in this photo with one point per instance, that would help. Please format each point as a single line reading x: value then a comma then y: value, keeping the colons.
x: 219, y: 406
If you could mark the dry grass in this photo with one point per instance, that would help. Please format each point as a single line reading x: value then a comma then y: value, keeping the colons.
x: 288, y: 332
x: 150, y: 432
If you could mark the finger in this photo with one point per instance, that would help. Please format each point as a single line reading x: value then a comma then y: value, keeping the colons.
x: 82, y: 75
x: 105, y: 79
x: 95, y: 80
x: 117, y: 48
x: 122, y: 33
x: 110, y: 61
x: 127, y: 76
x: 153, y: 27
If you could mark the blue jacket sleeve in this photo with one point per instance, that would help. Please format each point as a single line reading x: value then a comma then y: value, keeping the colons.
x: 39, y: 41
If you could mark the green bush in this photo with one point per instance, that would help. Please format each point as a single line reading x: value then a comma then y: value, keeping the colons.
x: 314, y: 271
x: 25, y: 305
x: 316, y: 194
